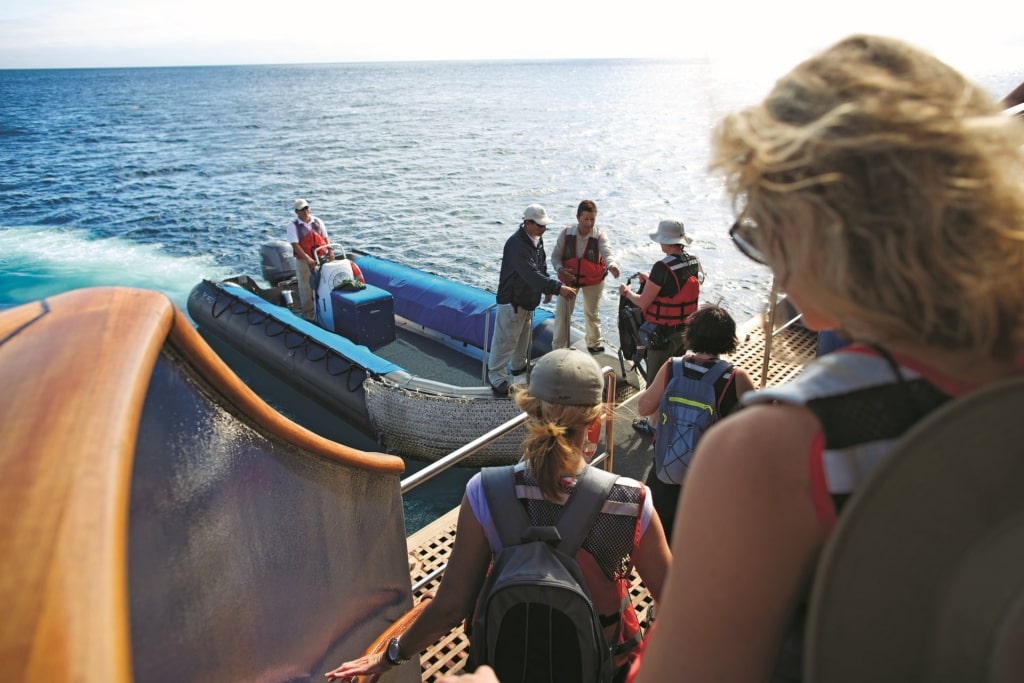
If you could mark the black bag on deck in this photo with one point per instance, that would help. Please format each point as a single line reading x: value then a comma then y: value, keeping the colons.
x: 535, y: 619
x: 632, y: 345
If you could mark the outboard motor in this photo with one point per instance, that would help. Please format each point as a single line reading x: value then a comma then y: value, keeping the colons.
x: 277, y: 261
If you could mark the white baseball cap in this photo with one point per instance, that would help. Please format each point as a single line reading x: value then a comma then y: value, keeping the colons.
x: 537, y: 214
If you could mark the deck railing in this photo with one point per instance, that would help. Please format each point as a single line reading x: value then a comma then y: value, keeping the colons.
x: 773, y: 300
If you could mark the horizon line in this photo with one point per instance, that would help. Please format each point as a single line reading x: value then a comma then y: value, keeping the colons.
x: 489, y: 60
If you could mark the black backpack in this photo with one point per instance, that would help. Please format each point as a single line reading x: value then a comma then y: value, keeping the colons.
x: 535, y: 620
x: 632, y: 347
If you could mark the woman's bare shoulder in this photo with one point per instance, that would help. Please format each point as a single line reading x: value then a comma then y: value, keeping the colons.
x: 757, y: 444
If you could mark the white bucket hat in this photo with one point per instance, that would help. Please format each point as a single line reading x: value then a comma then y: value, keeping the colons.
x: 670, y: 232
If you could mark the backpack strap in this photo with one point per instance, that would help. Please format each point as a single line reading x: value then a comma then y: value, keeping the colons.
x: 716, y: 371
x: 575, y: 521
x: 675, y: 365
x: 509, y: 516
x: 711, y: 376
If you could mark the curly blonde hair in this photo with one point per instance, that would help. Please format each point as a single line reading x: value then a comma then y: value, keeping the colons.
x: 550, y: 443
x: 895, y: 187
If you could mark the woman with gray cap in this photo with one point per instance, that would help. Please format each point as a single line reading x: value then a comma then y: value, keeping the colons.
x: 667, y: 296
x: 563, y: 400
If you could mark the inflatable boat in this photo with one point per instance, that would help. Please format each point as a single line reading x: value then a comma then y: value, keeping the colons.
x: 396, y: 351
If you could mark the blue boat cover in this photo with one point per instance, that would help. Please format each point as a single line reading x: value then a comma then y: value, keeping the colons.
x: 358, y: 354
x: 436, y: 302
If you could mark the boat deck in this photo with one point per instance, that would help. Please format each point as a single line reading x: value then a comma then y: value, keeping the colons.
x: 414, y: 347
x: 432, y: 359
x: 429, y: 548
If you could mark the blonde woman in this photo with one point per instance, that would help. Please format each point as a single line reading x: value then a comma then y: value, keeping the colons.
x: 886, y: 193
x: 563, y: 400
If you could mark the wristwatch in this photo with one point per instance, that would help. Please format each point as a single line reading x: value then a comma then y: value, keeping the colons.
x: 394, y: 654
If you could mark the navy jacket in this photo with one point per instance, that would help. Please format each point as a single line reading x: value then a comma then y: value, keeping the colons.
x: 524, y: 272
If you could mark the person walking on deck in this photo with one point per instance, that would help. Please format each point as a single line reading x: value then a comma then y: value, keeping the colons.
x: 564, y: 398
x: 710, y: 332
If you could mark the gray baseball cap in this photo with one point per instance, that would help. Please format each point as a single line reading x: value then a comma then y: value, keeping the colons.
x: 568, y: 377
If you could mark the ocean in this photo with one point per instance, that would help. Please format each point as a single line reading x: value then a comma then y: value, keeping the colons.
x: 159, y: 177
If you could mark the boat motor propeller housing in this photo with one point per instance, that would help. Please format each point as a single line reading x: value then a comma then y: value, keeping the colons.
x: 277, y: 261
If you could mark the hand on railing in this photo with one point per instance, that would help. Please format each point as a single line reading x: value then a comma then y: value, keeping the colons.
x: 369, y: 667
x: 334, y: 249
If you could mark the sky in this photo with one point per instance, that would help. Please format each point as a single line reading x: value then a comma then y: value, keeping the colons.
x: 762, y: 33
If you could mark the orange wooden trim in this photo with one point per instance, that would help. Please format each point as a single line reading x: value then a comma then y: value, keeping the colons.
x: 75, y: 369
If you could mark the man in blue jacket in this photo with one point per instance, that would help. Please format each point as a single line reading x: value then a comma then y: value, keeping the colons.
x: 521, y: 284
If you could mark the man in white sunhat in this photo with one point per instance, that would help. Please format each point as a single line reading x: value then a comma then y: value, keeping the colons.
x: 523, y: 280
x: 306, y: 232
x: 581, y: 258
x: 670, y: 293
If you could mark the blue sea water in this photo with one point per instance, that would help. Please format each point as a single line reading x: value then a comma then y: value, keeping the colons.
x: 158, y: 177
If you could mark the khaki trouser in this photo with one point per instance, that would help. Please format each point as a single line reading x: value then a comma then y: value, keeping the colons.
x: 305, y: 293
x: 592, y: 320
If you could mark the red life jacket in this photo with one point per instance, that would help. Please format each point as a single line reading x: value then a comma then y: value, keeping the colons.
x: 588, y: 270
x: 672, y: 310
x: 309, y: 240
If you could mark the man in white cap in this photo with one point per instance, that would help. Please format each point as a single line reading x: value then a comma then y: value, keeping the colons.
x: 306, y: 233
x: 523, y: 280
x: 670, y: 294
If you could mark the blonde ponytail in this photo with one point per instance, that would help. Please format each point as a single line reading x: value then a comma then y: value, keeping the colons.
x: 553, y: 431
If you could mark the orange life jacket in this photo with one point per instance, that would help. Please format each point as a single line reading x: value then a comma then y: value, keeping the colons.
x: 310, y: 240
x: 672, y: 310
x: 590, y: 269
